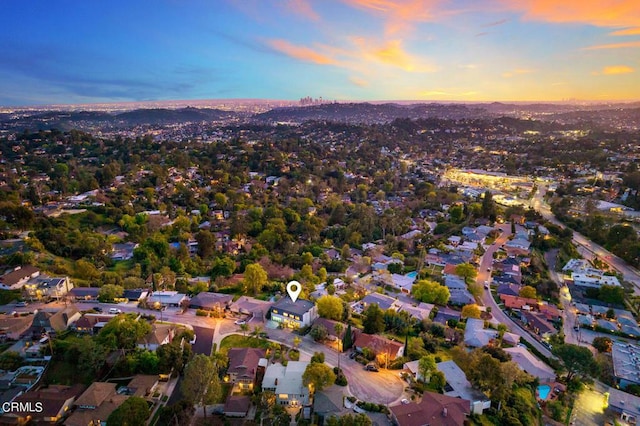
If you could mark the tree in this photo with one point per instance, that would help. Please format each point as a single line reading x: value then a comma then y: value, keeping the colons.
x: 123, y: 332
x: 577, y: 360
x: 319, y: 376
x: 347, y: 340
x: 254, y: 277
x: 438, y: 380
x: 349, y: 420
x: 133, y: 411
x: 466, y: 271
x: 426, y: 365
x: 373, y: 319
x: 528, y: 292
x: 201, y: 384
x: 612, y: 294
x: 602, y: 344
x: 338, y: 328
x: 429, y: 291
x: 318, y: 357
x: 170, y: 356
x: 244, y: 327
x: 86, y: 270
x: 109, y: 292
x: 206, y: 243
x: 470, y: 311
x: 296, y: 342
x: 319, y: 333
x: 488, y: 205
x: 10, y: 361
x: 330, y: 307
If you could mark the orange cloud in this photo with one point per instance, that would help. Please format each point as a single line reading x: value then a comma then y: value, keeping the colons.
x: 391, y: 53
x: 399, y: 15
x: 614, y: 45
x: 301, y: 52
x: 302, y: 8
x: 626, y: 32
x: 617, y: 69
x: 617, y: 13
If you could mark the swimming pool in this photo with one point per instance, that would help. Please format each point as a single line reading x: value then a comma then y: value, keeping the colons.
x: 543, y: 391
x: 413, y: 274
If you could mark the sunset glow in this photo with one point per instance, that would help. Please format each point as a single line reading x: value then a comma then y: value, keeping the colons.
x: 518, y: 50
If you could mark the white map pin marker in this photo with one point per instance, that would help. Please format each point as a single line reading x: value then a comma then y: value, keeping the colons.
x: 294, y: 288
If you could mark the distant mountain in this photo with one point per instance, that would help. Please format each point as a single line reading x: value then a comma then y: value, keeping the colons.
x: 168, y: 116
x: 87, y: 120
x: 368, y: 113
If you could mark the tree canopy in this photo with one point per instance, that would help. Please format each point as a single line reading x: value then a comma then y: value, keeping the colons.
x: 330, y: 307
x: 134, y: 411
x: 318, y: 375
x: 429, y: 291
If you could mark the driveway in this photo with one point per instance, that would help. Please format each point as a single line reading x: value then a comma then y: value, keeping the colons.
x: 204, y: 340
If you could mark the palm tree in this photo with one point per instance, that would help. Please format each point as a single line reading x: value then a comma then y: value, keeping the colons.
x: 338, y: 329
x: 244, y: 327
x: 256, y: 331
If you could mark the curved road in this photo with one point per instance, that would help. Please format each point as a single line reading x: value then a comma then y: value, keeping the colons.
x: 484, y: 274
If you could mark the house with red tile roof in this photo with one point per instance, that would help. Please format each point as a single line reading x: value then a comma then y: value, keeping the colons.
x: 433, y: 410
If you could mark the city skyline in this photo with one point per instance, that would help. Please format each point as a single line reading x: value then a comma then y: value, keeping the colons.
x: 361, y: 50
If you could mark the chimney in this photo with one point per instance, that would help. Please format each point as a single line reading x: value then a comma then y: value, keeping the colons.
x: 444, y: 412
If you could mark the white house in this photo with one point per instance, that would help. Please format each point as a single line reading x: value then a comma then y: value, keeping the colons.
x: 18, y: 277
x: 300, y: 313
x: 286, y: 383
x: 459, y: 387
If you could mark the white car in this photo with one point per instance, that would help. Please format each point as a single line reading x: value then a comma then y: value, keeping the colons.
x: 240, y: 322
x: 405, y: 401
x: 114, y: 311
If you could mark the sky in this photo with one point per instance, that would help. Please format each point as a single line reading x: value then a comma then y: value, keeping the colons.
x: 85, y: 51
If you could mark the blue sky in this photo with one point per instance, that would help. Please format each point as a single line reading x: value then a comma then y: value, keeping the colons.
x: 95, y: 51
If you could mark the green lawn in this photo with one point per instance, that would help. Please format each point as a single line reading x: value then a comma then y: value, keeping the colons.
x: 239, y: 341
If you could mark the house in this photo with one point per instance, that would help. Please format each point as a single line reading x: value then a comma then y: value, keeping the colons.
x: 143, y: 385
x: 300, y: 313
x: 445, y: 314
x: 43, y: 287
x: 13, y: 327
x: 458, y: 292
x: 237, y: 406
x: 18, y: 277
x: 330, y: 326
x: 160, y: 334
x: 594, y: 279
x: 55, y: 400
x: 508, y: 289
x: 330, y: 402
x: 92, y: 323
x: 123, y: 251
x: 403, y: 283
x: 538, y: 324
x: 166, y: 298
x: 207, y: 301
x: 385, y: 349
x: 84, y: 294
x: 95, y: 405
x: 253, y: 307
x: 135, y: 295
x: 433, y: 410
x: 286, y: 383
x: 421, y: 311
x: 383, y: 301
x: 475, y: 334
x: 626, y: 363
x: 506, y: 279
x: 625, y: 405
x: 58, y: 321
x: 459, y: 387
x: 530, y: 364
x: 244, y: 364
x: 517, y: 302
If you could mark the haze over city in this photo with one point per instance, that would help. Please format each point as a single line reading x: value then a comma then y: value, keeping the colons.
x: 527, y: 50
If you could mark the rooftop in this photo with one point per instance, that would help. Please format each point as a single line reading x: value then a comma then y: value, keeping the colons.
x: 433, y: 410
x: 530, y: 364
x: 626, y: 361
x: 299, y: 307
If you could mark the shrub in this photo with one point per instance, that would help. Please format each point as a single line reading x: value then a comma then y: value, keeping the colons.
x: 294, y: 355
x: 557, y: 410
x: 202, y: 313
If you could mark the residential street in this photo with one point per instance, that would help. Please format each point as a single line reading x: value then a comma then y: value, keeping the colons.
x: 487, y: 299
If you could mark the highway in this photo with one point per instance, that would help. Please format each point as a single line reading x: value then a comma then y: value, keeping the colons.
x: 586, y: 247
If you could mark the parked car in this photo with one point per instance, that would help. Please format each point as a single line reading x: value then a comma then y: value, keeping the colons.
x: 405, y: 401
x: 352, y: 355
x: 21, y: 304
x: 97, y: 309
x: 240, y: 322
x: 371, y: 367
x: 114, y: 311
